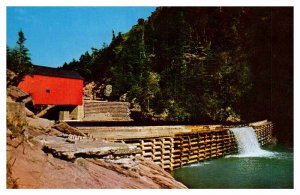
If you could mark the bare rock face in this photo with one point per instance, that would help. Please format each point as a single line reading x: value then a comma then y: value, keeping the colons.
x: 39, y: 123
x: 43, y: 157
x: 15, y: 117
x: 41, y: 154
x: 88, y: 90
x: 18, y: 95
x: 8, y: 132
x: 150, y: 174
x: 74, y: 147
x: 11, y: 75
x: 29, y: 167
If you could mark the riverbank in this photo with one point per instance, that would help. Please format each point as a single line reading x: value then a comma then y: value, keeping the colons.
x: 42, y: 154
x: 29, y: 167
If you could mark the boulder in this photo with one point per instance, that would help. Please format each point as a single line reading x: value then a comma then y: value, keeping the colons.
x: 39, y: 123
x: 17, y: 94
x: 108, y: 90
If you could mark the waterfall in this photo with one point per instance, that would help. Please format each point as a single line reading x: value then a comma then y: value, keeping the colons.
x: 247, y: 142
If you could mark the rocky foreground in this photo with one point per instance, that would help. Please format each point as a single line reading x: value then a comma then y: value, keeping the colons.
x: 41, y: 154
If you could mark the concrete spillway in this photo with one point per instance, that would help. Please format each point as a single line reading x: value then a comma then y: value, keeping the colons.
x: 174, y: 146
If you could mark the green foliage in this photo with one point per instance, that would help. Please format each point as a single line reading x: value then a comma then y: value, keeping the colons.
x: 188, y: 63
x: 18, y: 59
x: 83, y: 66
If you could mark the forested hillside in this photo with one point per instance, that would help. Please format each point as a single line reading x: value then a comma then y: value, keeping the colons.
x: 202, y: 64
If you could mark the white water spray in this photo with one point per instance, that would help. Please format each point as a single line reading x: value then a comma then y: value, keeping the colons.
x: 248, y: 145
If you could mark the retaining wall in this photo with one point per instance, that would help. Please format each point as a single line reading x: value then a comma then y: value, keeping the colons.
x: 106, y: 111
x: 174, y: 146
x: 173, y: 152
x: 263, y: 130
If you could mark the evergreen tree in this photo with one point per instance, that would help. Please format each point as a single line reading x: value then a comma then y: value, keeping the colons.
x: 208, y: 58
x: 18, y: 59
x: 113, y: 35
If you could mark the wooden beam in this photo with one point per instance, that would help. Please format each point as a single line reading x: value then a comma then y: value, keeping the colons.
x: 44, y: 111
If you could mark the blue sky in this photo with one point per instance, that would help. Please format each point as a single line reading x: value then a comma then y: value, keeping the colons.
x: 58, y: 34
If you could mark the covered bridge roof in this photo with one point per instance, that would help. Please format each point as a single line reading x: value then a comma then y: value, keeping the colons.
x: 55, y: 72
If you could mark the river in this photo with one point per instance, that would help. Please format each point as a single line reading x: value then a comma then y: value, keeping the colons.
x: 234, y: 172
x: 253, y: 167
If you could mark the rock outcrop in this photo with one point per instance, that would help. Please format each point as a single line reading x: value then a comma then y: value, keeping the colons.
x: 30, y: 167
x: 73, y: 147
x: 41, y: 154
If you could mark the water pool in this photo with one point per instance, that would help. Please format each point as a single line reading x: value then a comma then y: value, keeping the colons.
x: 267, y: 172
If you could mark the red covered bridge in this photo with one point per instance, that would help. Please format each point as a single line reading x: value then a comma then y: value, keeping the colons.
x: 52, y: 86
x: 62, y: 91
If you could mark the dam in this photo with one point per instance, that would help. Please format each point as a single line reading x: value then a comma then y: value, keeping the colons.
x: 171, y: 147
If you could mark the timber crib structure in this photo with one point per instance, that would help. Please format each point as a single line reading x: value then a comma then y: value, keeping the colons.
x: 172, y: 147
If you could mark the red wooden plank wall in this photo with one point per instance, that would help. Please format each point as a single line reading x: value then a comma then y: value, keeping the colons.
x: 53, y: 90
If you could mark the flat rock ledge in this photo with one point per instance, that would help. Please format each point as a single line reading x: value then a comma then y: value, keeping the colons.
x: 72, y: 147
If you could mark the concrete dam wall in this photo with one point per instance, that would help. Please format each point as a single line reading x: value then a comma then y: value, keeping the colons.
x: 174, y: 146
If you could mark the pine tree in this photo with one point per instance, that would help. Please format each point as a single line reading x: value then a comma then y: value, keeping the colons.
x: 113, y: 35
x: 18, y: 59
